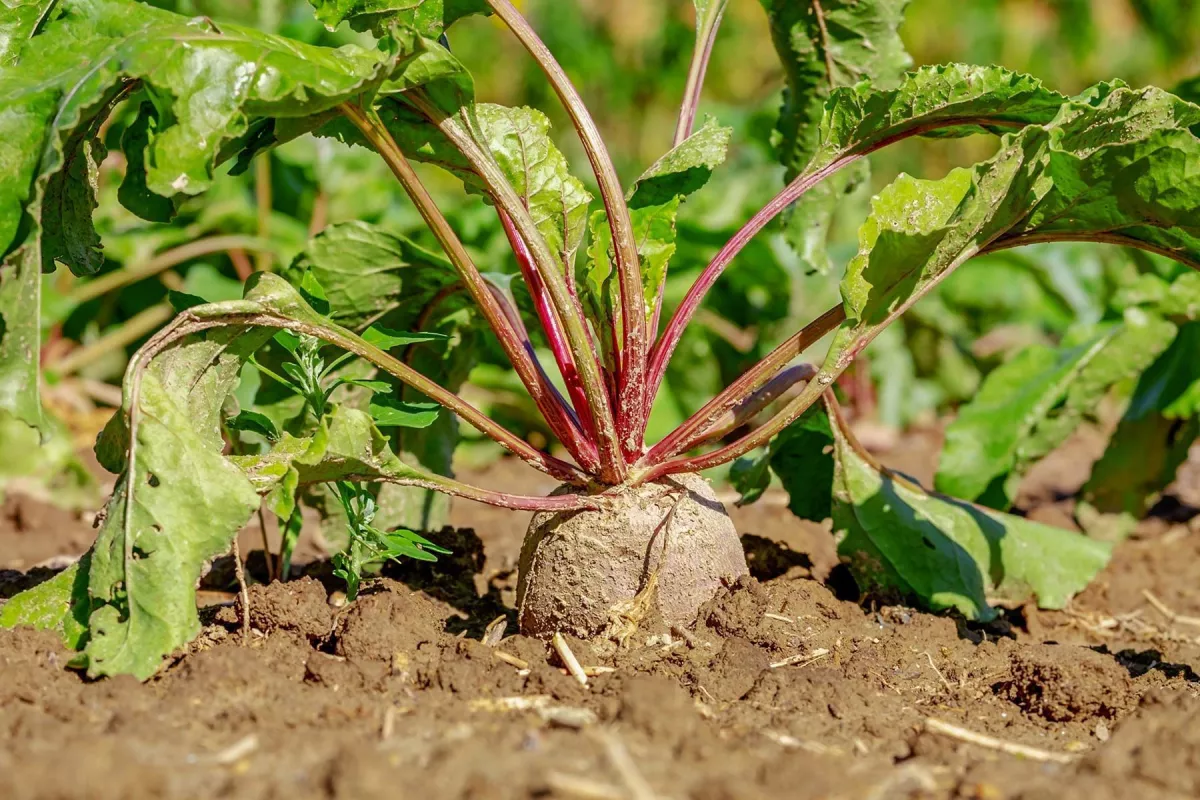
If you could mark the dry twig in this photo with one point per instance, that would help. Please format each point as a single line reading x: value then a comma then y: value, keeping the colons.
x: 581, y: 787
x: 626, y: 768
x: 568, y: 658
x: 938, y: 672
x: 592, y: 672
x: 236, y: 751
x: 243, y: 590
x: 389, y: 723
x: 802, y: 659
x: 494, y: 632
x: 509, y: 658
x: 992, y: 743
x: 1166, y: 611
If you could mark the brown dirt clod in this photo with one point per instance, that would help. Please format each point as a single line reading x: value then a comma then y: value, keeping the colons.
x: 1065, y: 684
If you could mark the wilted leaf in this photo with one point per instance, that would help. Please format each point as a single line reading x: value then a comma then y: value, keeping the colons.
x: 177, y: 506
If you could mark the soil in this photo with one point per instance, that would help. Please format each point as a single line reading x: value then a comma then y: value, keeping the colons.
x: 787, y: 687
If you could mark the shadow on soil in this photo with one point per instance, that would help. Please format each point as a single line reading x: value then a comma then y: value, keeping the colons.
x: 1140, y: 662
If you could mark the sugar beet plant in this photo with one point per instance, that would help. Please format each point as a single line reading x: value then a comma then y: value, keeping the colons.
x: 350, y: 324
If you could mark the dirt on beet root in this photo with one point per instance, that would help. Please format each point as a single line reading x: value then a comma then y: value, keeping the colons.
x: 786, y: 687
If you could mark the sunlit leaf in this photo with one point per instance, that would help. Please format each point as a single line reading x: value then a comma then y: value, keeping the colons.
x: 947, y: 553
x: 654, y: 201
x: 389, y: 412
x: 427, y: 17
x: 60, y: 605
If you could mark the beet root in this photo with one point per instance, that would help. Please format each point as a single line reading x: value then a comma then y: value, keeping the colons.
x: 671, y: 541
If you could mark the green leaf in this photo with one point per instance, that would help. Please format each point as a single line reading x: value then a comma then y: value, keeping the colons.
x: 1029, y: 405
x: 382, y: 387
x: 519, y: 140
x: 945, y: 101
x: 1141, y: 460
x: 68, y: 235
x: 313, y: 292
x: 371, y: 276
x: 20, y: 334
x: 73, y: 64
x: 18, y: 22
x: 1182, y: 298
x: 416, y: 538
x: 45, y: 465
x: 949, y: 554
x: 254, y: 422
x: 133, y: 192
x: 826, y: 45
x: 368, y: 274
x: 355, y: 447
x: 179, y: 502
x: 1112, y: 166
x: 751, y: 476
x: 429, y: 450
x: 949, y: 100
x: 288, y: 341
x: 59, y: 605
x: 1171, y: 385
x: 1144, y: 453
x: 386, y: 339
x: 347, y: 445
x: 207, y: 283
x: 427, y: 17
x: 390, y: 412
x: 823, y: 45
x: 417, y: 137
x: 654, y: 201
x: 78, y: 64
x: 802, y: 457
